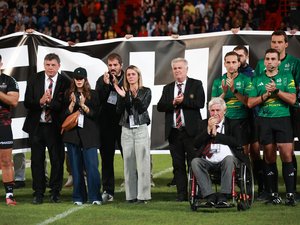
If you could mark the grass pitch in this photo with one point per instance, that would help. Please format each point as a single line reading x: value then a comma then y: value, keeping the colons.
x: 162, y: 209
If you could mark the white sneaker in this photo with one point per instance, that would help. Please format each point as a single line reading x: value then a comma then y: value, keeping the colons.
x: 107, y: 197
x: 77, y: 203
x: 97, y: 203
x: 69, y: 182
x: 152, y: 183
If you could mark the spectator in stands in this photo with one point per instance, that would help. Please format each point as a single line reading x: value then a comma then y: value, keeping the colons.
x: 89, y: 24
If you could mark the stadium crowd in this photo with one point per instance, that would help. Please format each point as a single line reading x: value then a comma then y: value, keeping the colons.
x: 88, y: 20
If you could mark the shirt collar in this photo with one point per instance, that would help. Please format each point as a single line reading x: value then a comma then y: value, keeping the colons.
x: 54, y: 79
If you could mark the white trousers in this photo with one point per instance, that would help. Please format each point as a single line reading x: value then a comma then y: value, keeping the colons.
x: 136, y: 156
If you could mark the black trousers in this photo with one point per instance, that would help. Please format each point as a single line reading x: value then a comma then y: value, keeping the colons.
x: 46, y: 135
x: 110, y: 140
x: 182, y: 152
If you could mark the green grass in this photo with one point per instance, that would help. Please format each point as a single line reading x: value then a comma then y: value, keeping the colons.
x: 161, y: 210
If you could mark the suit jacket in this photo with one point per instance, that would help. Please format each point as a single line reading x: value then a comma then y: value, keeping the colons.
x: 193, y: 101
x: 108, y: 111
x: 203, y: 138
x: 34, y: 91
x: 88, y: 136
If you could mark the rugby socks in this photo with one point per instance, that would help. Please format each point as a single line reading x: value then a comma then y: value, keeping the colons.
x: 258, y: 169
x: 295, y: 172
x: 288, y: 176
x: 9, y: 188
x: 272, y: 177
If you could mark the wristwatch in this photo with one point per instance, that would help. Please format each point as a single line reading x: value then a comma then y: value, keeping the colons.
x: 235, y: 91
x: 276, y: 91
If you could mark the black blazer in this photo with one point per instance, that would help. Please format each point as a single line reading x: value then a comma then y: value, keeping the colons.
x: 194, y: 99
x: 34, y: 91
x: 203, y: 138
x: 88, y: 136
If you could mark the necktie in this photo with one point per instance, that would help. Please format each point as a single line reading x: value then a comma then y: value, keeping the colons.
x: 177, y: 111
x: 47, y: 112
x: 207, y: 149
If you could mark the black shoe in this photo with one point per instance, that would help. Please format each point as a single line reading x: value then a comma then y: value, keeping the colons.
x: 290, y: 199
x: 37, y: 200
x: 222, y: 197
x: 274, y: 199
x: 19, y: 184
x: 222, y: 204
x: 182, y: 198
x: 210, y: 200
x: 172, y: 183
x: 132, y: 201
x: 263, y: 196
x: 55, y: 199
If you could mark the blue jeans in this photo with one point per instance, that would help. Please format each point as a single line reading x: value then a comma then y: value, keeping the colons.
x: 84, y: 159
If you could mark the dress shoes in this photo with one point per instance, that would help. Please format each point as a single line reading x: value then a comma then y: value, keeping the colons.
x: 19, y: 184
x: 37, y: 200
x: 181, y: 198
x: 55, y: 199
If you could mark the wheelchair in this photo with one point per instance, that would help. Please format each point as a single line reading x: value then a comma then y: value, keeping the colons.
x: 242, y: 192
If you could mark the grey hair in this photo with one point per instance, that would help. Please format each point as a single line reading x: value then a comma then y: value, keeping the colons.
x: 218, y: 100
x: 179, y: 59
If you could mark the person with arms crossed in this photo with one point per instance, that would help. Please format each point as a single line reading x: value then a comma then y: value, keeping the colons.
x: 44, y: 101
x: 133, y: 104
x: 181, y: 101
x: 274, y: 92
x: 9, y: 96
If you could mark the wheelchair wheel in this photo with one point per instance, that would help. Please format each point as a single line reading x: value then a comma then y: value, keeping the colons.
x: 192, y: 190
x: 246, y: 196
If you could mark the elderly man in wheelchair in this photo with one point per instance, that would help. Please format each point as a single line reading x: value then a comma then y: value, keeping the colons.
x: 218, y: 151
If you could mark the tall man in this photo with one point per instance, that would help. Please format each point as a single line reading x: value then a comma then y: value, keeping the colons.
x: 254, y: 148
x: 289, y: 64
x: 232, y: 87
x: 274, y: 91
x: 110, y: 130
x: 181, y: 101
x: 9, y: 96
x: 44, y: 98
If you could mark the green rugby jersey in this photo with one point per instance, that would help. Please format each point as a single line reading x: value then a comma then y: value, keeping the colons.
x: 273, y: 106
x: 235, y: 108
x: 289, y: 64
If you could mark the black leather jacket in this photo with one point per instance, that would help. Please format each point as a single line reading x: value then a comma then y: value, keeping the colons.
x: 135, y: 106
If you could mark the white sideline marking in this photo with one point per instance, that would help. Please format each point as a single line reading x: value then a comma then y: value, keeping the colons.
x: 75, y: 209
x: 63, y: 215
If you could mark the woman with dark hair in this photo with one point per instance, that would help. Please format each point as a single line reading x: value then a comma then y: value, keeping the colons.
x: 82, y: 141
x: 135, y: 99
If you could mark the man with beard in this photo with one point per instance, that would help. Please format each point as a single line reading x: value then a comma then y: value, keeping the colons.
x: 110, y: 130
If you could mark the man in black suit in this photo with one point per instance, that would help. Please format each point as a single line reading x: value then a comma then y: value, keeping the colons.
x: 214, y: 143
x: 43, y: 99
x: 181, y: 101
